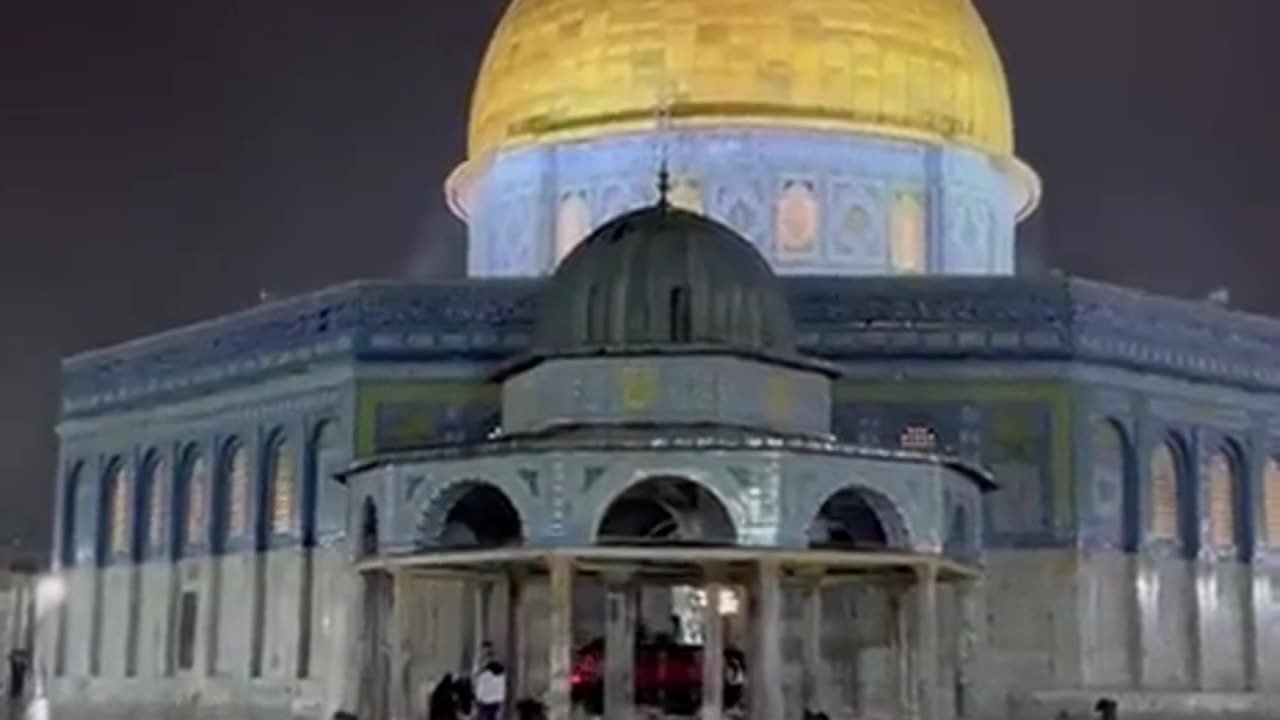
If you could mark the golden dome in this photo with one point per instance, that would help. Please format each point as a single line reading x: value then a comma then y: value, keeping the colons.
x: 573, y: 69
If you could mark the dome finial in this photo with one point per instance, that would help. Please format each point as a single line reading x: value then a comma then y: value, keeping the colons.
x: 666, y: 99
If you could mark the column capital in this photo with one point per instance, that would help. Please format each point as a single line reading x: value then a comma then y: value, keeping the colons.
x: 810, y: 576
x: 618, y: 579
x: 927, y: 572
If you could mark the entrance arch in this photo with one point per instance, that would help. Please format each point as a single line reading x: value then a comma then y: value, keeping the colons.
x: 470, y: 514
x: 858, y: 518
x: 668, y: 510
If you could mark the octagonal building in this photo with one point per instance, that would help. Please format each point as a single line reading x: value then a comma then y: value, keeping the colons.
x: 741, y: 408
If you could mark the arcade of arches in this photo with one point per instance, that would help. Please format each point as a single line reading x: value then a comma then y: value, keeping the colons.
x: 709, y: 624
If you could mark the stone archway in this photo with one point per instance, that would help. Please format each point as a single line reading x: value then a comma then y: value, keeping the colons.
x: 470, y: 514
x: 667, y: 510
x: 858, y: 518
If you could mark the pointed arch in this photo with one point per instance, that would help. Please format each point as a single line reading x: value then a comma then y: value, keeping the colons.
x: 282, y: 495
x: 666, y: 509
x: 861, y: 518
x: 73, y: 495
x: 1224, y: 498
x: 192, y: 524
x: 1110, y: 490
x: 153, y: 501
x: 232, y: 500
x: 117, y: 537
x: 1165, y: 481
x: 322, y: 462
x: 470, y: 513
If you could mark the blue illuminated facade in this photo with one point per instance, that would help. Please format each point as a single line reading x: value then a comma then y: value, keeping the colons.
x: 812, y: 202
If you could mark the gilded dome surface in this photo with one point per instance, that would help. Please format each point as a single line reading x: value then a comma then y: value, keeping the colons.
x: 663, y: 277
x: 572, y: 69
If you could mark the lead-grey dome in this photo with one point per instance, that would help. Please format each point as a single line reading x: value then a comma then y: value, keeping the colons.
x: 663, y: 278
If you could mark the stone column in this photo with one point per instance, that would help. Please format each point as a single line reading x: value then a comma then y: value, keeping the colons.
x: 926, y: 642
x: 515, y: 652
x: 766, y: 666
x: 483, y: 633
x: 712, y: 650
x: 622, y: 603
x: 900, y: 642
x: 560, y: 626
x: 968, y: 620
x: 811, y: 586
x: 401, y: 653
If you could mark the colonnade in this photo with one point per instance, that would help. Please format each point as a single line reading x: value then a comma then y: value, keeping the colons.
x: 912, y: 588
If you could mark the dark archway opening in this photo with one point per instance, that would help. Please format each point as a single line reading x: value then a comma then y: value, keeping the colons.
x: 482, y: 516
x: 847, y: 521
x: 666, y: 510
x: 369, y: 528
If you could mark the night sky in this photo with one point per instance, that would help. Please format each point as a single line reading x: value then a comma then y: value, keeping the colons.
x: 164, y: 162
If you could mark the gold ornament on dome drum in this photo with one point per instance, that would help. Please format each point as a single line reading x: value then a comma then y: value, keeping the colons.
x: 560, y: 70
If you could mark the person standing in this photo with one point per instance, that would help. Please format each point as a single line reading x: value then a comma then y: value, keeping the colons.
x: 443, y: 704
x: 491, y: 691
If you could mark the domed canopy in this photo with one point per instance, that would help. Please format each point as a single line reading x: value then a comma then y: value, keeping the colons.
x: 660, y: 278
x: 572, y: 69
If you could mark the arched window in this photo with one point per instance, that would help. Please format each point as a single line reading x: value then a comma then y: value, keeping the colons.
x: 196, y: 486
x: 1271, y: 500
x: 1110, y: 459
x: 907, y: 234
x: 118, y: 525
x: 797, y: 219
x: 680, y: 322
x: 283, y: 489
x: 323, y: 498
x: 237, y: 484
x: 157, y: 503
x: 1164, y: 493
x: 918, y: 437
x: 71, y: 513
x: 1221, y: 501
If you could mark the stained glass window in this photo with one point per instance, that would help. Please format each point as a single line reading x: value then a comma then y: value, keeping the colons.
x: 283, y: 484
x: 238, y: 497
x: 920, y: 438
x: 907, y: 236
x: 1271, y: 500
x: 196, y: 486
x: 797, y: 219
x: 1164, y: 494
x: 1222, y: 516
x: 158, y: 499
x: 119, y: 511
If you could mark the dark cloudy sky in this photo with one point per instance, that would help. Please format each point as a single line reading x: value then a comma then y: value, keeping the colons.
x: 161, y: 162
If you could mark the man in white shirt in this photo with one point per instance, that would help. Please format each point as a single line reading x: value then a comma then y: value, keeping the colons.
x: 491, y: 691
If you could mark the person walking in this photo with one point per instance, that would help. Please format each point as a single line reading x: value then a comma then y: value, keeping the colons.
x: 491, y: 691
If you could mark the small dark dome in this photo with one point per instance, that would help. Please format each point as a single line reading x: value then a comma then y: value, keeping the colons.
x: 658, y: 278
